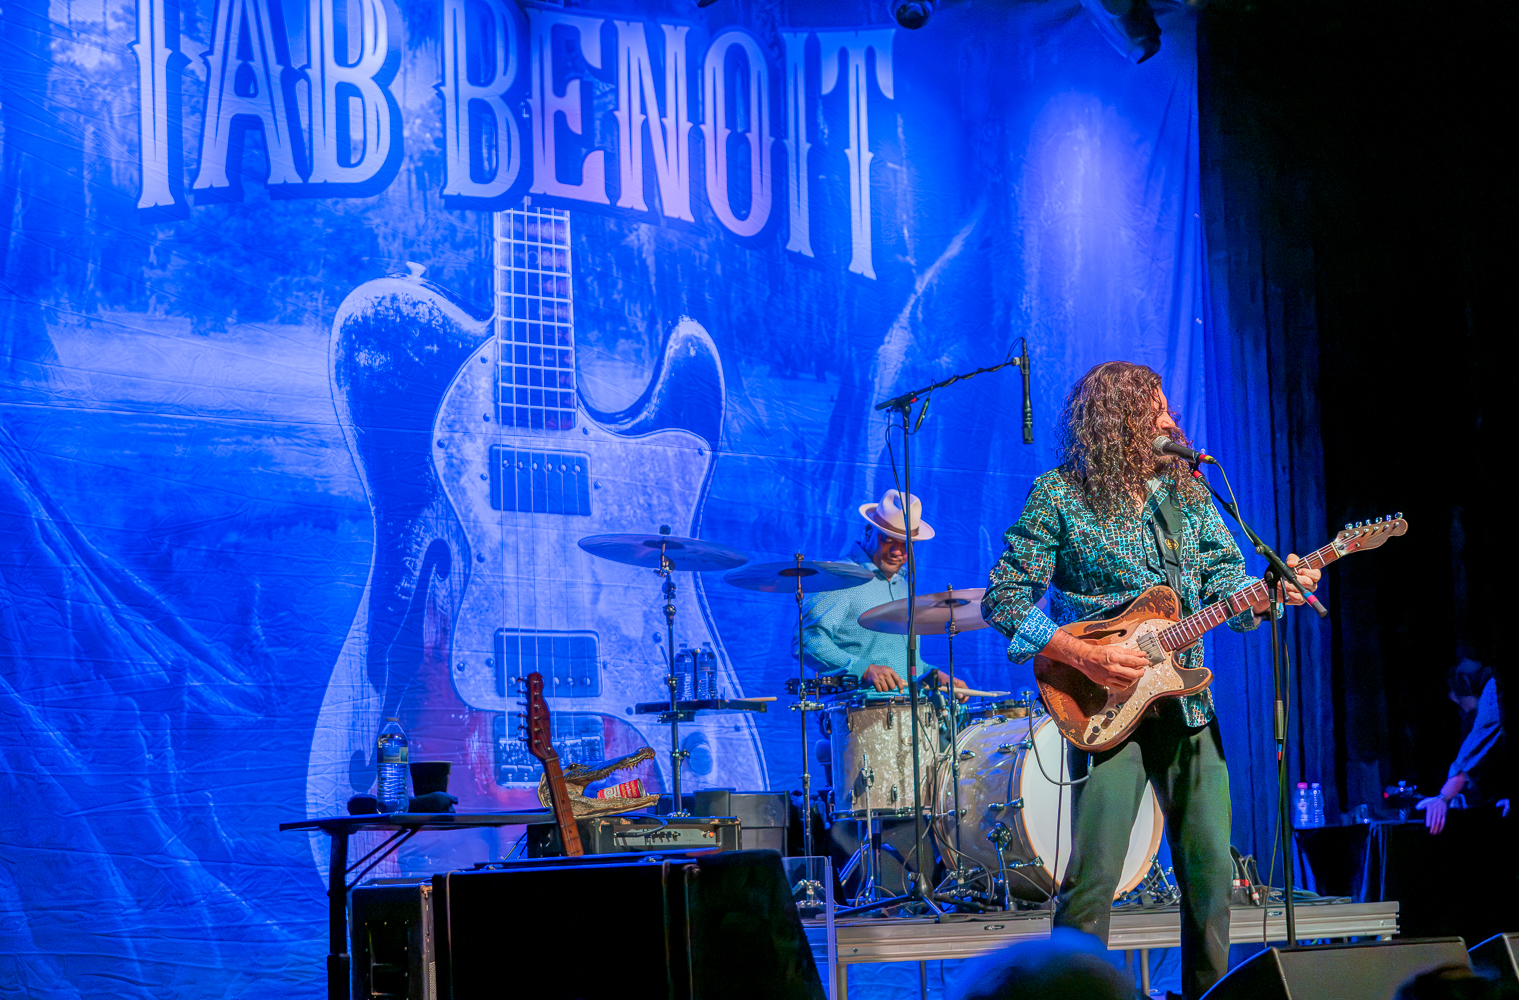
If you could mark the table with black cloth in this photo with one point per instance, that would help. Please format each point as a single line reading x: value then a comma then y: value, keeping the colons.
x: 1463, y: 881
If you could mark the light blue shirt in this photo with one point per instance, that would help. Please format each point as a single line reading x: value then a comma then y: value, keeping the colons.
x: 834, y: 642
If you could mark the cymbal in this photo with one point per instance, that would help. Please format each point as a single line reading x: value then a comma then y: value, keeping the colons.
x: 933, y: 612
x: 643, y: 550
x: 816, y: 576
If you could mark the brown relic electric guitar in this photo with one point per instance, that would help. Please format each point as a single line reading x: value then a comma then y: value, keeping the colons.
x: 540, y: 746
x: 1094, y: 717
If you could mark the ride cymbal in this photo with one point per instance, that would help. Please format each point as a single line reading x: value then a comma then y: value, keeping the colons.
x: 816, y: 577
x: 690, y: 554
x: 931, y: 615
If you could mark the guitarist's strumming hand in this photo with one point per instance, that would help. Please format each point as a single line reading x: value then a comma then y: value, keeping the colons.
x: 1112, y: 666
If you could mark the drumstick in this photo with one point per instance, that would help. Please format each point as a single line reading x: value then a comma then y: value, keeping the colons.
x: 768, y: 697
x: 982, y: 694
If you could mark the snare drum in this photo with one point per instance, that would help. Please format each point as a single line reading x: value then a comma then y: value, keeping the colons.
x: 872, y: 754
x: 1001, y: 781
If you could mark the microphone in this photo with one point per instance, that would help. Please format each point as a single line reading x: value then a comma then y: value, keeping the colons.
x: 1165, y: 446
x: 1028, y: 406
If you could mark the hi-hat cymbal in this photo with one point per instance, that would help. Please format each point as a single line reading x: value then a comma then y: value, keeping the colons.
x: 643, y: 550
x: 932, y: 614
x: 816, y: 577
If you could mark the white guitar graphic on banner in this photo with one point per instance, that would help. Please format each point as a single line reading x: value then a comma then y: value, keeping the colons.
x: 481, y: 485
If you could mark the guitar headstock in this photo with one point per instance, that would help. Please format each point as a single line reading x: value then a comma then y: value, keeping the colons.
x: 539, y: 735
x: 1363, y: 536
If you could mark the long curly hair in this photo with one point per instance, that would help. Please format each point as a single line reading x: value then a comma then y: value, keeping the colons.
x: 1105, y: 449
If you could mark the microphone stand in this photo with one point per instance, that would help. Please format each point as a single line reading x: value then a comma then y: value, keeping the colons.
x: 919, y: 890
x: 1277, y: 576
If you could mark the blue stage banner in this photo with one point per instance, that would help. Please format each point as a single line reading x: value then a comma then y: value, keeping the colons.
x: 331, y: 326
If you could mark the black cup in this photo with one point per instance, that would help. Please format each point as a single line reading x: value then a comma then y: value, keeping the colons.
x: 428, y: 776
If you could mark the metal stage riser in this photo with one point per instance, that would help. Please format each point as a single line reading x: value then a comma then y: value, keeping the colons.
x: 914, y: 939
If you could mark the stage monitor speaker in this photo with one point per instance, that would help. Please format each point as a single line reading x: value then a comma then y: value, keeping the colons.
x: 1498, y: 958
x: 1371, y: 971
x: 713, y: 926
x: 392, y: 940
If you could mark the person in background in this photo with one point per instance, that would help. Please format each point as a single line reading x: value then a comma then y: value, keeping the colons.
x: 834, y: 641
x: 1476, y: 691
x: 1452, y: 982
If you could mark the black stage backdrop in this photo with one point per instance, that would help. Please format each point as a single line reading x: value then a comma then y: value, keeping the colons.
x: 1353, y: 195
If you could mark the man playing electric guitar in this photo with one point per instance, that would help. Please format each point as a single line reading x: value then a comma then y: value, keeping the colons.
x: 1113, y: 520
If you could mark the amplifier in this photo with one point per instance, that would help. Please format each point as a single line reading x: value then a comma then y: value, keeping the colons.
x: 763, y: 817
x: 716, y: 926
x: 392, y: 940
x: 619, y: 834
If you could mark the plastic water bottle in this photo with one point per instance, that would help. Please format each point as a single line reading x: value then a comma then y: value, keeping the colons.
x: 1302, y: 810
x: 685, y: 674
x: 706, y: 672
x: 1316, y: 804
x: 391, y: 760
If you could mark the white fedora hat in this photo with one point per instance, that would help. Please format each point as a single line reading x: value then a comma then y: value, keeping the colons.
x: 889, y: 520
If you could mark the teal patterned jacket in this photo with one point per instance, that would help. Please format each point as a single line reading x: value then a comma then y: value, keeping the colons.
x: 1090, y: 566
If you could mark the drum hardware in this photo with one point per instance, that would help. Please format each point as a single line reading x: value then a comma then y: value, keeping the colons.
x: 1157, y: 885
x: 666, y: 554
x: 1008, y: 796
x: 951, y: 613
x: 823, y: 685
x: 801, y: 576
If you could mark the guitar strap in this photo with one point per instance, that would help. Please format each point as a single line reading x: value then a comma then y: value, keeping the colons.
x: 1168, y: 526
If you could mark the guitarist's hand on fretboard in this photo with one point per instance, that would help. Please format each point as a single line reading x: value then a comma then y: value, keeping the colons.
x: 1309, y: 578
x: 1111, y: 666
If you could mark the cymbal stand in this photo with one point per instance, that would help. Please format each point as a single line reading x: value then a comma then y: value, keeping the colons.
x: 804, y: 705
x: 919, y: 890
x: 677, y: 755
x: 951, y: 628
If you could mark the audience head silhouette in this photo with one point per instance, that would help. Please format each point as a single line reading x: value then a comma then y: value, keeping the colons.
x: 1069, y: 966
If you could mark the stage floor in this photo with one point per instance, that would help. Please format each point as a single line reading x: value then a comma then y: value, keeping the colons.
x: 912, y: 939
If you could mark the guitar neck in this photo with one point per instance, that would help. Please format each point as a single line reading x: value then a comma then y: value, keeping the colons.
x: 1191, y: 628
x: 535, y: 320
x: 564, y: 813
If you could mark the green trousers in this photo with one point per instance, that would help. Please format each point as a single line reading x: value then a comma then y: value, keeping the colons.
x: 1191, y: 781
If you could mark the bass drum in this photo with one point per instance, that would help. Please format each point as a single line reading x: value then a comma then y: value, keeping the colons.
x: 998, y: 766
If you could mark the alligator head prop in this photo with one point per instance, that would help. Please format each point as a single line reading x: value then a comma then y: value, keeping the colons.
x: 578, y: 776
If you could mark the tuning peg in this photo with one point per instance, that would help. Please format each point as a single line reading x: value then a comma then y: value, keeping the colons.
x: 1348, y: 526
x: 1398, y: 515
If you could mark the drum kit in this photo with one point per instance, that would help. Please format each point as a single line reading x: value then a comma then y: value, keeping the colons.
x: 999, y: 818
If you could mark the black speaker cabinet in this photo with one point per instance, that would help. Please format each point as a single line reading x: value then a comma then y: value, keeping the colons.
x: 1371, y: 971
x: 392, y: 940
x: 1498, y: 958
x: 719, y: 926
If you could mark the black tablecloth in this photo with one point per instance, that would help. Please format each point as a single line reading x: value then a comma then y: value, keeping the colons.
x: 1464, y: 881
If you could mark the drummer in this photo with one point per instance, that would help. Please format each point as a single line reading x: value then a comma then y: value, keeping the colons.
x: 832, y: 638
